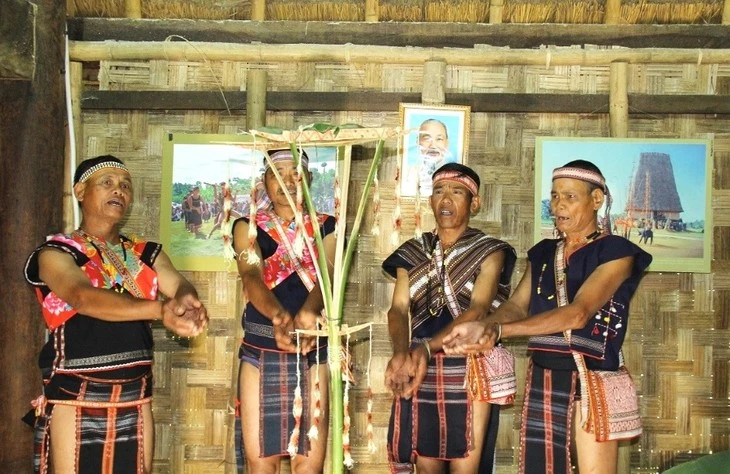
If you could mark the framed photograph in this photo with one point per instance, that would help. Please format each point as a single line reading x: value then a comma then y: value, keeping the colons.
x: 661, y: 190
x: 436, y: 134
x: 194, y: 168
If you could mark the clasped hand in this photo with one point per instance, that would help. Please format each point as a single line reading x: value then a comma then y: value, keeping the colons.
x: 406, y: 371
x: 185, y: 315
x: 471, y: 337
x: 285, y: 327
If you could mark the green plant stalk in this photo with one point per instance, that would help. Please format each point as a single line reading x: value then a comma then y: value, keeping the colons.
x: 333, y: 326
x: 355, y: 232
x: 335, y: 317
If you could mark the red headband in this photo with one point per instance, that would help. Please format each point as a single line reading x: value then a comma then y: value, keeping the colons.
x: 581, y: 174
x: 457, y: 177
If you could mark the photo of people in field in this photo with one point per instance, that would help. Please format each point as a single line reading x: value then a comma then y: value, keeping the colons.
x: 200, y: 174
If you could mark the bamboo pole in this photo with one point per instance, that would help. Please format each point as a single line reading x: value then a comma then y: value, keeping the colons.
x: 496, y: 8
x: 434, y: 82
x: 133, y: 8
x: 256, y: 99
x: 613, y: 12
x: 372, y: 11
x: 350, y: 53
x: 618, y: 100
x: 258, y: 10
x: 76, y: 79
x: 726, y: 12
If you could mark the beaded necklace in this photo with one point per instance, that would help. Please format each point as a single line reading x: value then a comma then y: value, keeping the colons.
x: 582, y: 241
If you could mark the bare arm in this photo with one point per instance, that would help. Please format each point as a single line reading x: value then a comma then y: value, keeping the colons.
x: 60, y: 272
x: 254, y: 288
x: 258, y: 294
x: 482, y: 296
x: 399, y: 370
x: 310, y: 311
x: 62, y: 276
x: 465, y: 335
x: 182, y: 295
x: 592, y: 295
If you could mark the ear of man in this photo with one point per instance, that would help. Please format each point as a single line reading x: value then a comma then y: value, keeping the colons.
x: 79, y: 191
x: 475, y: 205
x: 598, y: 198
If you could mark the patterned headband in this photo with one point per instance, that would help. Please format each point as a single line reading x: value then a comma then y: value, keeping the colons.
x: 581, y: 174
x: 285, y: 155
x: 457, y: 177
x: 100, y: 166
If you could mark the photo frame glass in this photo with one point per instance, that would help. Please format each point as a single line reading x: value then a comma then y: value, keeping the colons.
x: 661, y: 194
x: 435, y: 135
x: 194, y: 166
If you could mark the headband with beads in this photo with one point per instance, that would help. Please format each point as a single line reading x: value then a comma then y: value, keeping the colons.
x: 581, y: 174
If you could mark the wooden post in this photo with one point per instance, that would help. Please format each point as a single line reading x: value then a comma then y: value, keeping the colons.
x: 133, y: 8
x: 258, y: 10
x: 372, y: 11
x: 434, y: 82
x: 495, y: 11
x: 726, y: 12
x: 613, y: 12
x: 618, y: 101
x: 76, y: 77
x: 256, y: 99
x: 31, y: 180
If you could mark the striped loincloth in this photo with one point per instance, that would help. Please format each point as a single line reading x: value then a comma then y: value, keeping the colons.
x: 278, y: 380
x: 109, y: 424
x: 547, y: 420
x: 437, y: 421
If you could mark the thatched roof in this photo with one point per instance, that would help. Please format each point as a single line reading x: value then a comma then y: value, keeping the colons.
x: 653, y: 185
x: 467, y: 11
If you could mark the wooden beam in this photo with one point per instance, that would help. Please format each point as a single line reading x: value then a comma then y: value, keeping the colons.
x: 638, y: 104
x: 455, y: 35
x: 17, y: 39
x: 726, y: 12
x: 348, y: 53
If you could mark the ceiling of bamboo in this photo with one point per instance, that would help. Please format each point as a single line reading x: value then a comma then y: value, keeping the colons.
x: 469, y: 11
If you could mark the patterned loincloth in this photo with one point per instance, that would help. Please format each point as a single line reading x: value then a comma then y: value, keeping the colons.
x: 109, y: 426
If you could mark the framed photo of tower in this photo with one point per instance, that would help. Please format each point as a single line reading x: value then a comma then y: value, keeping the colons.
x: 661, y: 192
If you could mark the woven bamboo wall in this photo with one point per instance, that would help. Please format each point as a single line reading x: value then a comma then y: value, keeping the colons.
x: 677, y: 347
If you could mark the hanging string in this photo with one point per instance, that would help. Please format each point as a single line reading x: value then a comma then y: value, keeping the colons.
x: 369, y: 430
x: 299, y: 210
x: 375, y: 229
x: 251, y: 257
x: 229, y: 253
x: 348, y: 461
x: 313, y: 433
x: 293, y: 447
x: 395, y: 236
x: 418, y: 213
x: 337, y: 204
